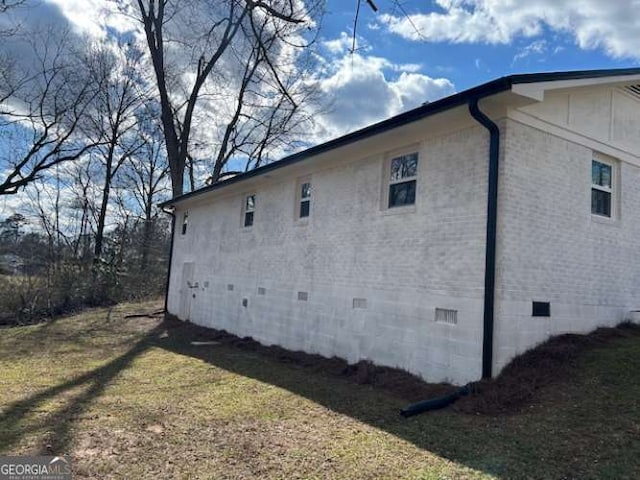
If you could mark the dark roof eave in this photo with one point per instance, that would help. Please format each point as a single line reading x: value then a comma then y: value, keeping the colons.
x: 491, y: 88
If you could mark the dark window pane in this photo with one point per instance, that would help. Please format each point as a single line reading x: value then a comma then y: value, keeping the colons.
x: 600, y: 202
x: 248, y: 219
x: 305, y: 190
x: 304, y: 209
x: 185, y: 222
x: 404, y: 167
x: 601, y: 174
x: 402, y: 194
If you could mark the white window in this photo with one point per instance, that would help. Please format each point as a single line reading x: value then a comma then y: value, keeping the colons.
x: 602, y: 185
x: 403, y: 175
x: 304, y: 198
x: 249, y: 210
x: 185, y: 222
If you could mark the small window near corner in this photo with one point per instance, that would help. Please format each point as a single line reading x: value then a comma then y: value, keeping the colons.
x: 304, y: 191
x: 249, y: 210
x: 403, y: 174
x: 185, y: 222
x: 602, y: 188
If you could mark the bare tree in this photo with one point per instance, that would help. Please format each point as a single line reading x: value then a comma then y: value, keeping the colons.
x: 145, y: 178
x: 9, y: 28
x: 206, y: 35
x: 112, y: 120
x: 6, y: 5
x: 41, y: 110
x: 265, y: 113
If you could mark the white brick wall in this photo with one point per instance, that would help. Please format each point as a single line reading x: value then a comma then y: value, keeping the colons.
x: 404, y: 265
x: 550, y: 248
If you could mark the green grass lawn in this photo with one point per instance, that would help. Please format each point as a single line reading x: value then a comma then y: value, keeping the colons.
x: 131, y: 398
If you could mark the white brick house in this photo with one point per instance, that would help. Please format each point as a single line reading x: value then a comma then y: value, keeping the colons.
x: 443, y: 241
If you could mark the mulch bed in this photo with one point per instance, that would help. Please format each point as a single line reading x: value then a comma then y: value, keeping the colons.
x: 515, y: 387
x: 393, y: 380
x: 549, y: 363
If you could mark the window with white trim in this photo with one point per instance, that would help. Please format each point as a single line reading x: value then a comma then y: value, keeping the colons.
x: 185, y: 222
x: 403, y: 175
x: 304, y: 199
x: 249, y: 210
x: 602, y: 185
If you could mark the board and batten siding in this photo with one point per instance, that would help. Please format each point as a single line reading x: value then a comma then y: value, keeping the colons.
x: 355, y: 280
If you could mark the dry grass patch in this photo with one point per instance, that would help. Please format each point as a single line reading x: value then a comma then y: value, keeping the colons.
x: 133, y: 398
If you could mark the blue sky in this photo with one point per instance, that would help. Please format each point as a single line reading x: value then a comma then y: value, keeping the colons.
x: 457, y: 40
x: 410, y: 51
x: 413, y: 51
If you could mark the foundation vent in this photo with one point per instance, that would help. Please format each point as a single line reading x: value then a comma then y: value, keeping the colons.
x: 359, y: 303
x: 303, y: 296
x: 540, y: 309
x: 444, y: 315
x: 230, y: 287
x: 262, y: 291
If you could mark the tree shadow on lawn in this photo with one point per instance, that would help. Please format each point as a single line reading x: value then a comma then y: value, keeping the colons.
x: 541, y: 443
x: 14, y: 421
x: 45, y: 333
x: 537, y: 443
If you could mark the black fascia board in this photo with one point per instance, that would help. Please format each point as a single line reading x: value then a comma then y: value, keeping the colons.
x: 491, y: 88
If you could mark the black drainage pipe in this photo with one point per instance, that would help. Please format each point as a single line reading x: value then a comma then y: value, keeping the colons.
x: 490, y: 249
x: 489, y: 269
x: 434, y: 403
x: 173, y: 233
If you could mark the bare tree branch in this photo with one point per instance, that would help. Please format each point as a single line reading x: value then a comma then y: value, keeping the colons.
x: 259, y: 23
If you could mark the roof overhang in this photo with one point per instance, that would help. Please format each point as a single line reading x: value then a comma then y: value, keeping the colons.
x: 537, y: 90
x: 514, y: 90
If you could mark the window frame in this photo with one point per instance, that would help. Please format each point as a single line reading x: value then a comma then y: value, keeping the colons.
x: 612, y: 190
x: 388, y: 182
x: 185, y: 222
x: 300, y: 200
x: 246, y: 210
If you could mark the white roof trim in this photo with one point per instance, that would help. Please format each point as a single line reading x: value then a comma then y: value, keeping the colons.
x: 536, y: 90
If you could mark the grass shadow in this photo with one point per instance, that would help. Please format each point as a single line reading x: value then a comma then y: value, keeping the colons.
x: 14, y: 423
x: 507, y: 446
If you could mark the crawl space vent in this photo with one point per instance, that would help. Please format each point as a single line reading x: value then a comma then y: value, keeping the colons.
x: 444, y: 315
x: 359, y: 303
x: 540, y: 309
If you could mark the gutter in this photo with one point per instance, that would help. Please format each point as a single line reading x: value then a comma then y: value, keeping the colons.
x: 490, y: 249
x: 459, y: 99
x: 444, y: 104
x: 173, y: 236
x: 489, y: 269
x: 470, y: 98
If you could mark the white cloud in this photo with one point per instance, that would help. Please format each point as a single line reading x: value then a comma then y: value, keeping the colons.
x: 338, y: 45
x: 344, y: 43
x: 538, y: 47
x: 407, y: 67
x: 611, y: 26
x: 96, y: 17
x: 361, y: 92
